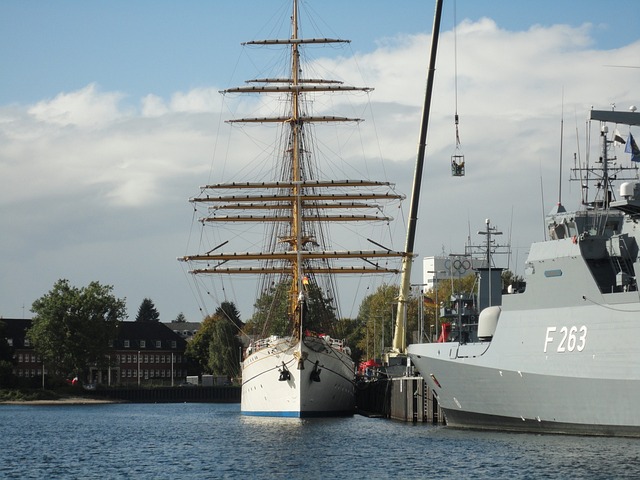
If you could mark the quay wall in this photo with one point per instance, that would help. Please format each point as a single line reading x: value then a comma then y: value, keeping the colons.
x: 210, y: 394
x: 407, y: 399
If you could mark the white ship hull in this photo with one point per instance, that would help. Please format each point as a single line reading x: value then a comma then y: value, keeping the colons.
x: 271, y: 389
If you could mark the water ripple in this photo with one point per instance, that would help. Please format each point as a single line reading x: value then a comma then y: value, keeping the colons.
x: 176, y: 441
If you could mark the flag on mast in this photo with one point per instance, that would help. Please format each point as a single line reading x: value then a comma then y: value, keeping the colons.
x: 632, y: 148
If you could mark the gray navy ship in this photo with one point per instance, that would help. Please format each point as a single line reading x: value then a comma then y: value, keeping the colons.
x: 563, y: 355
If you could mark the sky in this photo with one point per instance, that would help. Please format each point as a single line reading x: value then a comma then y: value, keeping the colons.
x: 110, y: 120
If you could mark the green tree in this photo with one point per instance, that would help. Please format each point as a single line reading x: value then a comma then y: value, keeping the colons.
x: 147, y: 312
x: 216, y: 347
x: 72, y: 327
x: 511, y: 279
x: 271, y: 312
x: 270, y: 315
x: 180, y: 318
x: 376, y: 321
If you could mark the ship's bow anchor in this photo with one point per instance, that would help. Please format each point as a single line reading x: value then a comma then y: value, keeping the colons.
x: 315, y: 374
x: 285, y: 374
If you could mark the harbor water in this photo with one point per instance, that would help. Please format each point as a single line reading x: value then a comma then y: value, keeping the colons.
x: 174, y: 441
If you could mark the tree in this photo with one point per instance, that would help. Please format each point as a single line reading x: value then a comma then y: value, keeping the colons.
x: 180, y: 318
x: 147, y: 312
x: 271, y: 315
x: 72, y: 327
x: 216, y: 347
x: 511, y: 279
x: 376, y: 321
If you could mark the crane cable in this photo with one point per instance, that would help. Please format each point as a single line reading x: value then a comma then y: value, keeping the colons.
x: 455, y: 73
x: 457, y: 159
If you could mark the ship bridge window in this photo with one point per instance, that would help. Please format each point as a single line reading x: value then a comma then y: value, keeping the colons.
x: 553, y: 273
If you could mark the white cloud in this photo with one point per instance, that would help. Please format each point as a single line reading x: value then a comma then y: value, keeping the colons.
x: 85, y: 166
x: 84, y: 108
x: 153, y: 106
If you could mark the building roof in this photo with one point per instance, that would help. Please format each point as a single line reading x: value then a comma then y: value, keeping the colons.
x: 134, y: 332
x: 185, y: 329
x: 150, y: 333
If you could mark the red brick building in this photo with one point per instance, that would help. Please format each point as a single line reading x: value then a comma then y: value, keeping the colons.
x: 143, y: 353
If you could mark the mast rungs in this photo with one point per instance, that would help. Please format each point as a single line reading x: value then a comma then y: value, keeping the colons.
x: 303, y: 197
x: 282, y: 270
x: 305, y: 88
x: 288, y: 219
x: 306, y: 255
x: 303, y: 183
x: 295, y: 41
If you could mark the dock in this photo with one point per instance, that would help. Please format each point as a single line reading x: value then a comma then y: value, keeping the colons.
x: 406, y: 399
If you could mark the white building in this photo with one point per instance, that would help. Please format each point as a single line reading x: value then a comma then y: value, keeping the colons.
x: 452, y: 266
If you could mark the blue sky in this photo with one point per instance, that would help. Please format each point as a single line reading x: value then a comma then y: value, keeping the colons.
x: 164, y: 46
x: 109, y: 118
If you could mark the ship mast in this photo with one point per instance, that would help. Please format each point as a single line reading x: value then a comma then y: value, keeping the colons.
x: 296, y: 207
x: 399, y: 337
x: 296, y: 297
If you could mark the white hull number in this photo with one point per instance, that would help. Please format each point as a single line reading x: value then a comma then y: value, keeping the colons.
x: 568, y: 339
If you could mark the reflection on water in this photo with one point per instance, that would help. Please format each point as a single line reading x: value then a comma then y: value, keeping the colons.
x: 215, y: 441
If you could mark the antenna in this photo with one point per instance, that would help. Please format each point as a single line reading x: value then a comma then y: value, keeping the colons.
x: 561, y: 138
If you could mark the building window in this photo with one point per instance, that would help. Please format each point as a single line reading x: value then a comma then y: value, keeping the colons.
x: 126, y: 344
x: 20, y: 358
x: 143, y: 344
x: 146, y: 359
x: 158, y: 344
x: 27, y: 342
x: 174, y: 344
x: 10, y: 341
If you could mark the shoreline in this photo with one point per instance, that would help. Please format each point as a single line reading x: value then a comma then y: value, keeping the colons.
x: 62, y: 401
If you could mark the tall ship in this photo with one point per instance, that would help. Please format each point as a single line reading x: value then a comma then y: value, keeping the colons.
x: 300, y: 371
x: 562, y: 356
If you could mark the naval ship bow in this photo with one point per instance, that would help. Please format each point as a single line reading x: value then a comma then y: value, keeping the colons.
x: 561, y: 355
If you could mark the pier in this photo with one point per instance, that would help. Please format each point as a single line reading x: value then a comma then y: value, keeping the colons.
x: 407, y: 399
x: 212, y: 394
